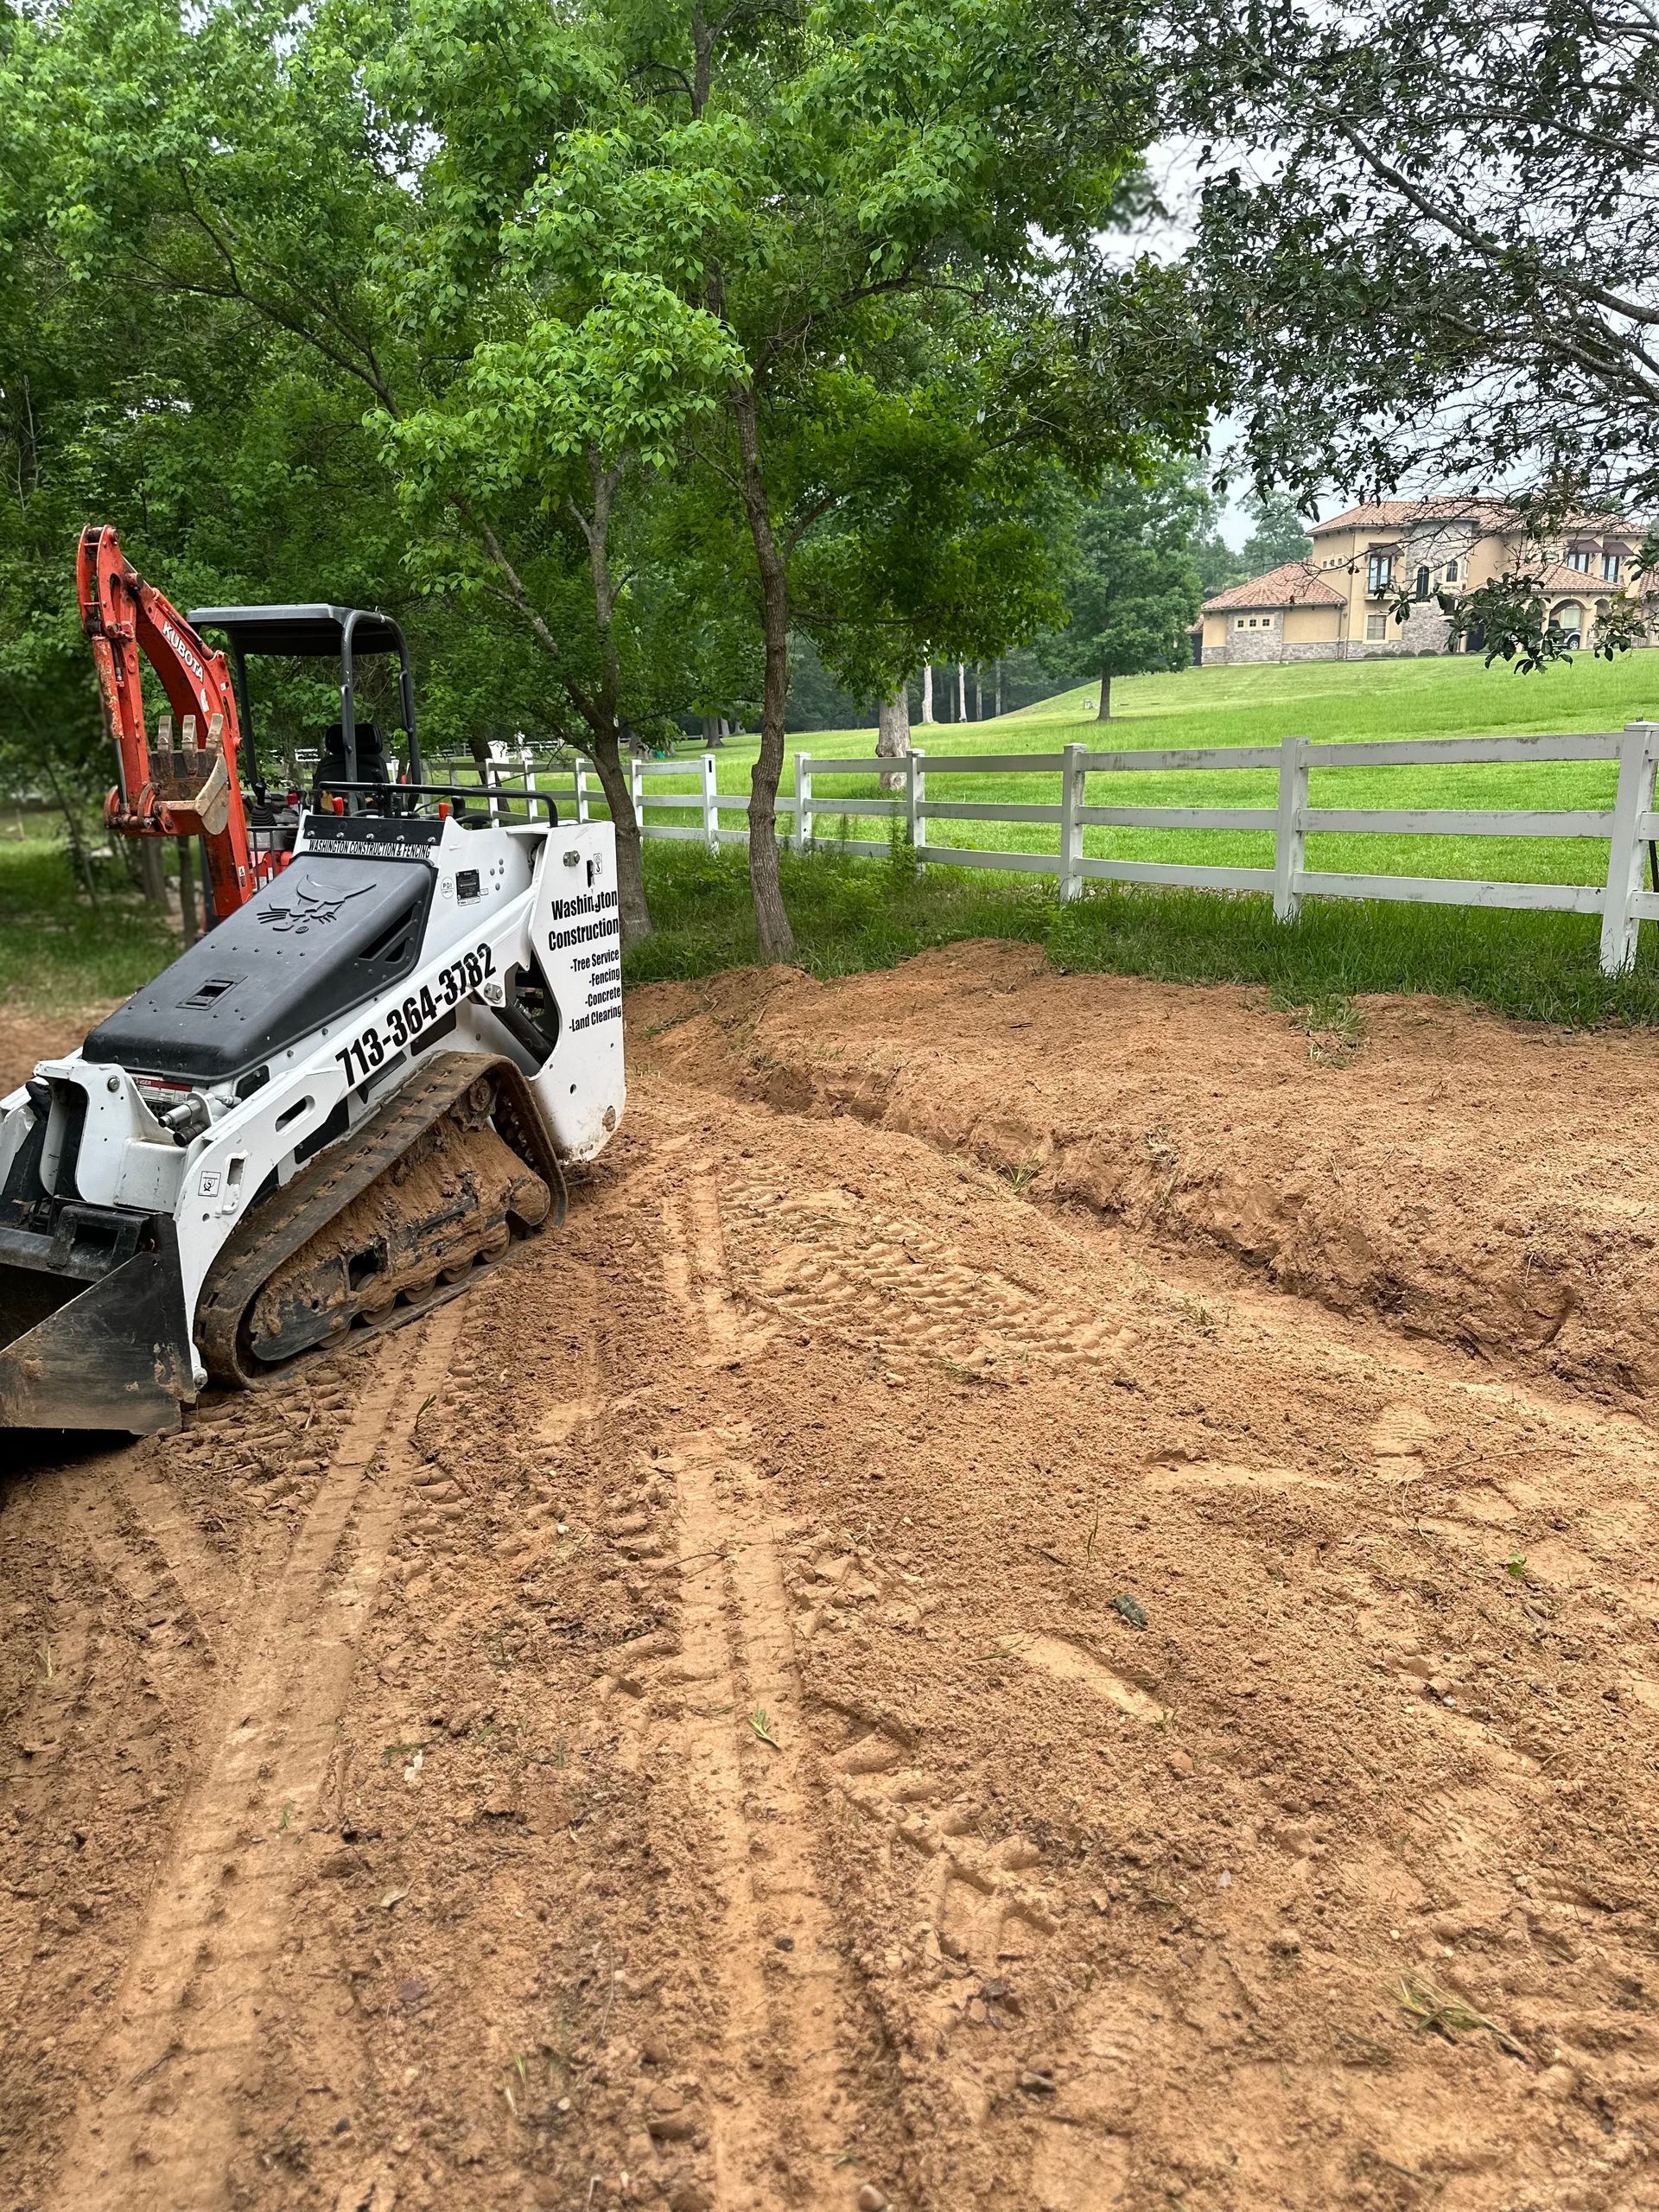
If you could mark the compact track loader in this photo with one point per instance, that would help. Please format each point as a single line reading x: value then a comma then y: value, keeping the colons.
x: 351, y: 1094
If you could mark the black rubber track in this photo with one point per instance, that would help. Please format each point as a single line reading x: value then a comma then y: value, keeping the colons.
x: 281, y: 1223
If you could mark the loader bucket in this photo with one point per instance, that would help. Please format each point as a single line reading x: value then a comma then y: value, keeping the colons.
x: 80, y: 1349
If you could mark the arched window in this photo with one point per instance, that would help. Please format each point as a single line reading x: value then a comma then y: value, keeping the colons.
x: 1422, y: 585
x: 1569, y: 619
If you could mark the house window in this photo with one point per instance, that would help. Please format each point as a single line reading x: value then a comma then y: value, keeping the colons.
x: 1379, y: 572
x: 1578, y: 558
x: 1422, y: 585
x: 1451, y: 572
x: 1609, y: 567
x: 1376, y: 628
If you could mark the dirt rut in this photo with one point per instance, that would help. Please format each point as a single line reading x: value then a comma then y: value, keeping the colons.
x: 832, y: 1684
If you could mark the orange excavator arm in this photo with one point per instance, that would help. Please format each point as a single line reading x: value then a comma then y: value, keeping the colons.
x: 182, y: 788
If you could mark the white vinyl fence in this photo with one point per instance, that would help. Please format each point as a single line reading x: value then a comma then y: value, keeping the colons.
x: 1624, y: 901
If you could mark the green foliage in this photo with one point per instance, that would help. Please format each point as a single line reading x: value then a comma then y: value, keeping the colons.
x: 1278, y: 535
x: 1434, y: 253
x: 59, y: 952
x: 622, y: 341
x: 1134, y: 587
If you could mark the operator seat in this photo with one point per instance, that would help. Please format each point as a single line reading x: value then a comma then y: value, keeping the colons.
x: 371, y: 766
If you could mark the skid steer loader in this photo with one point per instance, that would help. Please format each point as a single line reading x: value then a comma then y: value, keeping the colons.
x: 352, y: 1093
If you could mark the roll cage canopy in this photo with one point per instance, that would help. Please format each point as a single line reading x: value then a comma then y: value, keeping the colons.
x: 318, y: 632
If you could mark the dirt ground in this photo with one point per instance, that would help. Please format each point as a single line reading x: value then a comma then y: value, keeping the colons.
x: 1045, y: 1600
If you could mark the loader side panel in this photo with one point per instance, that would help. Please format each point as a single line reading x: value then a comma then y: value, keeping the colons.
x: 330, y: 932
x: 575, y: 942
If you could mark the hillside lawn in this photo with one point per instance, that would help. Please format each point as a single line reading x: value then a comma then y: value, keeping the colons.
x: 56, y: 953
x: 1331, y: 702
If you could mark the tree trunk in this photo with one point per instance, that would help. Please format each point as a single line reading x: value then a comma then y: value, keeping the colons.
x: 188, y: 923
x: 632, y: 912
x: 999, y: 684
x: 927, y: 691
x: 979, y: 690
x: 605, y: 724
x: 893, y: 735
x: 152, y: 874
x: 962, y: 692
x: 771, y: 920
x: 1105, y: 714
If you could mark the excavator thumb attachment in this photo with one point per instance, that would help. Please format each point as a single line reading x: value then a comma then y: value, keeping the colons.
x: 91, y: 1330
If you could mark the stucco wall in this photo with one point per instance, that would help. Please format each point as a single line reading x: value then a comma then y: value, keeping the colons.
x: 1307, y: 625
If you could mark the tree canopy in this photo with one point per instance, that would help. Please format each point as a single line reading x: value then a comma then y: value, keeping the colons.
x: 626, y: 343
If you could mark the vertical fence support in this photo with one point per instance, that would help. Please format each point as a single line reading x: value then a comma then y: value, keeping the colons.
x: 916, y: 797
x: 581, y: 789
x: 1072, y: 777
x: 1289, y: 837
x: 1638, y: 748
x: 710, y: 810
x: 636, y: 783
x: 803, y: 802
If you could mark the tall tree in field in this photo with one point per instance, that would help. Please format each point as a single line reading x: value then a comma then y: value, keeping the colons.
x: 1134, y: 589
x: 800, y: 177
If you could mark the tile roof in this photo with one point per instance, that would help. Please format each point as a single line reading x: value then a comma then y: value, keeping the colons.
x: 1298, y: 583
x: 1387, y: 514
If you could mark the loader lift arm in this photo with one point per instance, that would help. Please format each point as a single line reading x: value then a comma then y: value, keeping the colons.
x: 184, y: 789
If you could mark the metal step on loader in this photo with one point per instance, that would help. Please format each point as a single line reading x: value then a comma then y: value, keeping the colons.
x: 352, y: 1093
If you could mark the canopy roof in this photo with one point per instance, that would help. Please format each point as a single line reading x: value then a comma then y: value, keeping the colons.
x: 312, y: 632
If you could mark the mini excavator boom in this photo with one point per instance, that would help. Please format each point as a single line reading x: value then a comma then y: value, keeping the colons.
x: 190, y: 788
x: 350, y: 1095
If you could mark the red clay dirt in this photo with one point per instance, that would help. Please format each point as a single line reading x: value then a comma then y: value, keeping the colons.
x: 893, y: 1662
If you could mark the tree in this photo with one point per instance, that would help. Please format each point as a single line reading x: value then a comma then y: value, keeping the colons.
x: 1134, y: 590
x: 1443, y: 265
x: 836, y: 184
x: 1278, y: 537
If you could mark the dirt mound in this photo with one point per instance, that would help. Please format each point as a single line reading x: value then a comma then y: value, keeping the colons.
x: 1488, y: 1184
x: 826, y: 1684
x: 27, y: 1038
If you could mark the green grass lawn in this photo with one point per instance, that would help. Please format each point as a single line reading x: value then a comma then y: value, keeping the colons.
x: 60, y: 952
x: 1330, y: 701
x: 850, y: 915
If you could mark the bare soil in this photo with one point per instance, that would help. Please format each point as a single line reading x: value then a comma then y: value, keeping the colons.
x: 1046, y: 1599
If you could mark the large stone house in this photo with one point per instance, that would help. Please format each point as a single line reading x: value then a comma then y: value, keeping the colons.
x: 1339, y: 604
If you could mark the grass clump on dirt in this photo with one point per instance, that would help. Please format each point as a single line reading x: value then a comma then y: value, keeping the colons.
x: 852, y: 915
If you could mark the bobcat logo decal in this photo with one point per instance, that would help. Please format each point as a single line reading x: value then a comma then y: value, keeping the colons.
x: 314, y: 909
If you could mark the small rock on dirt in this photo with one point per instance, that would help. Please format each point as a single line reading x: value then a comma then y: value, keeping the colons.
x: 870, y: 2199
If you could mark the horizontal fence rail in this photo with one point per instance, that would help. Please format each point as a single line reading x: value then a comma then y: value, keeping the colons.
x: 910, y: 801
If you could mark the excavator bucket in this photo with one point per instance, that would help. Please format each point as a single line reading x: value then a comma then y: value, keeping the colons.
x: 91, y: 1336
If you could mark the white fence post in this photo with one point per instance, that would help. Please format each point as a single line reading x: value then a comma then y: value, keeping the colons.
x: 803, y: 802
x: 1290, y: 839
x: 581, y: 789
x: 710, y: 810
x: 1637, y: 750
x: 1072, y: 776
x: 636, y: 783
x: 916, y: 797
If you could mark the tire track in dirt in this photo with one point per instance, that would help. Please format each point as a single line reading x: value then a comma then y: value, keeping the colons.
x: 187, y: 2018
x: 779, y: 1965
